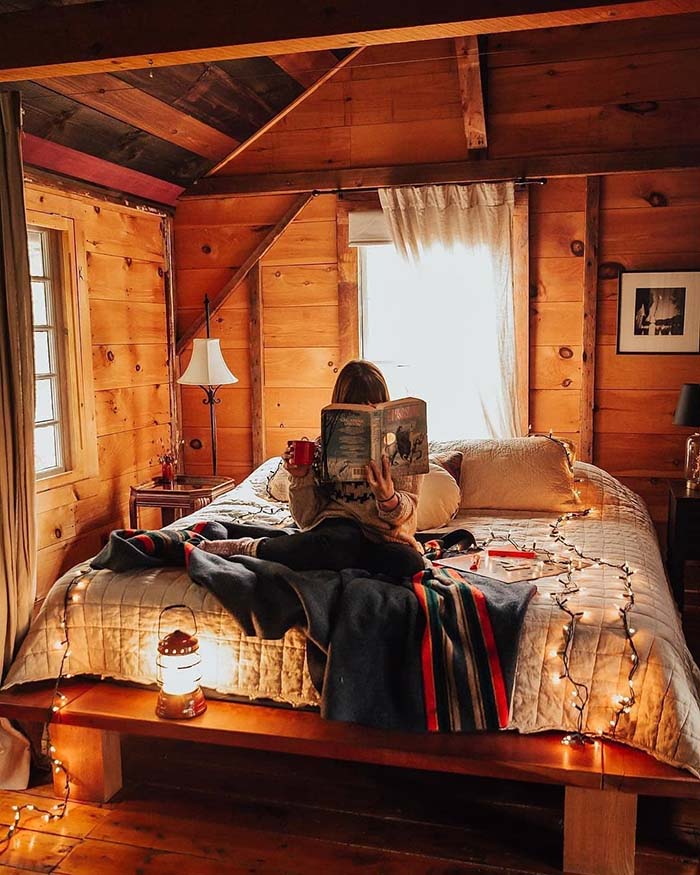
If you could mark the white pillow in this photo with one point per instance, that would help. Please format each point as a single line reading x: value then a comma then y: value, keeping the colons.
x: 529, y: 473
x: 438, y: 499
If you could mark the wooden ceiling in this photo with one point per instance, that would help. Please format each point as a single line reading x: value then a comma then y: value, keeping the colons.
x: 167, y: 125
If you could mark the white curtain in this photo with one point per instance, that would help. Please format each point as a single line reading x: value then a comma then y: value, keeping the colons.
x: 456, y: 247
x: 17, y: 528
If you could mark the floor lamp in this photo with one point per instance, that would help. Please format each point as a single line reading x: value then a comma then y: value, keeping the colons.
x: 208, y: 370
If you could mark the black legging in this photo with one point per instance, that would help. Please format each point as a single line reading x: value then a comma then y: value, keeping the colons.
x: 340, y: 543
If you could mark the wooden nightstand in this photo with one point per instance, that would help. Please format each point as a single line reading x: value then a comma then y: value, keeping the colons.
x: 683, y: 533
x: 177, y: 499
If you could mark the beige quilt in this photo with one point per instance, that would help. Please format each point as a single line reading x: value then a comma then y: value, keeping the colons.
x: 113, y: 628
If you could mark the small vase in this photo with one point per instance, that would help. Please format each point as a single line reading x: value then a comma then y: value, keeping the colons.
x: 167, y: 472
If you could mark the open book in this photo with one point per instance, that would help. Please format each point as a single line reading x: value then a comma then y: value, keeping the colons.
x: 354, y: 434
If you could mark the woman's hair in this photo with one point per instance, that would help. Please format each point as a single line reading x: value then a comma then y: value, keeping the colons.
x: 360, y: 382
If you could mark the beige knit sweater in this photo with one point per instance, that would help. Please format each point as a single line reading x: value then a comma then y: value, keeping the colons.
x: 310, y: 503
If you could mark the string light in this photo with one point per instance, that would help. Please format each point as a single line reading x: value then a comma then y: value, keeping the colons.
x: 568, y: 588
x: 58, y: 699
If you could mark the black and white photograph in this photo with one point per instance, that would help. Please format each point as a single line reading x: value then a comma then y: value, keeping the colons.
x: 659, y: 313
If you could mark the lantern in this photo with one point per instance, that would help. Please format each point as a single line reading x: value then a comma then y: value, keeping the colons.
x: 179, y: 673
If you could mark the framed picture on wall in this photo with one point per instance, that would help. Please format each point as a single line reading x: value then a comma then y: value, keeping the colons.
x: 659, y: 313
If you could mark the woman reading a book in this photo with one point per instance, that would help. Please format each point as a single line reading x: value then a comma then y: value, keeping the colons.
x: 369, y: 525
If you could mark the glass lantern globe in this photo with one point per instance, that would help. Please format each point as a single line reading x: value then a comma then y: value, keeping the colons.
x: 180, y: 697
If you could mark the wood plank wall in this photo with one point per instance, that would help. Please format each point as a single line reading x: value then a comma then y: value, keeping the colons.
x: 299, y: 289
x: 615, y: 86
x: 125, y: 261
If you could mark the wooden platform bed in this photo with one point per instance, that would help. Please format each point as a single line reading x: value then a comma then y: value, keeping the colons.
x: 601, y: 781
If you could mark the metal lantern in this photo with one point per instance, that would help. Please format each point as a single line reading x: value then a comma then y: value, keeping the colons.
x: 180, y: 696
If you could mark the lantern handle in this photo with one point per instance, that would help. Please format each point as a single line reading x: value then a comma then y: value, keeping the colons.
x: 173, y: 608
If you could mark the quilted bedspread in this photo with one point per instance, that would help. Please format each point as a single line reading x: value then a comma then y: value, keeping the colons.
x: 113, y: 627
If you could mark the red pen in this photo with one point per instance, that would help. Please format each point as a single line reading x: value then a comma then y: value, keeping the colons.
x: 515, y: 554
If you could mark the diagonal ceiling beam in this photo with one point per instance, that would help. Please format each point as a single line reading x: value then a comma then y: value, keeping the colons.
x: 306, y: 67
x: 120, y: 100
x: 232, y: 284
x: 471, y: 91
x: 329, y: 74
x: 122, y: 35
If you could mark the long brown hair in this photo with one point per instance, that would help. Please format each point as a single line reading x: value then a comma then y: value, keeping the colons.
x: 360, y: 382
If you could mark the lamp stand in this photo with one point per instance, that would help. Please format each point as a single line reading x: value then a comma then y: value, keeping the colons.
x: 212, y: 401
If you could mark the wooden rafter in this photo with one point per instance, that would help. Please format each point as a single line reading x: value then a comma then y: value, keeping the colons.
x: 221, y: 165
x: 121, y: 35
x: 471, y: 91
x: 590, y: 303
x: 242, y: 272
x: 306, y: 67
x: 551, y: 166
x: 42, y: 153
x: 121, y: 100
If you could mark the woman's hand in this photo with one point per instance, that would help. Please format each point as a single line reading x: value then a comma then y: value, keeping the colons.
x: 379, y: 479
x: 294, y: 470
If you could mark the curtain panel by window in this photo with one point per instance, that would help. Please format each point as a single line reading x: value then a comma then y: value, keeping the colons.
x: 17, y: 525
x: 460, y: 238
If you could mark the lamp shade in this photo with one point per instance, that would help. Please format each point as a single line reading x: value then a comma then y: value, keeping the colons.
x: 688, y: 407
x: 207, y: 366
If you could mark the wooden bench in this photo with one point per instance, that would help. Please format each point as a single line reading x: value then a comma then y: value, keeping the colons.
x: 601, y: 781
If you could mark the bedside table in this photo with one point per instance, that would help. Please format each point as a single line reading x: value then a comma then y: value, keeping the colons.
x: 683, y: 533
x: 177, y: 499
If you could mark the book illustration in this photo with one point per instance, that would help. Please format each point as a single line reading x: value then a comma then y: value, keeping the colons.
x: 352, y: 435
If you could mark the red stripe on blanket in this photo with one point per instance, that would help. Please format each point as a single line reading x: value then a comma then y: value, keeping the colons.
x: 429, y: 694
x: 199, y: 527
x: 189, y: 547
x: 499, y: 686
x: 147, y: 542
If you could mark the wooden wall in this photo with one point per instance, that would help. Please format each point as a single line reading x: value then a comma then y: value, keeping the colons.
x: 599, y: 88
x: 121, y: 260
x: 299, y: 295
x: 623, y: 86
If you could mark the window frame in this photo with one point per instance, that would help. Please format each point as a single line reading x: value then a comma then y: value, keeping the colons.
x: 74, y: 351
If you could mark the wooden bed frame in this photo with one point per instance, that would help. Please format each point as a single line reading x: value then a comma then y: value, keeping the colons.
x: 601, y: 781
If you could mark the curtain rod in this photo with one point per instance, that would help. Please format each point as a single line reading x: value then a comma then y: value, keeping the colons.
x: 522, y: 180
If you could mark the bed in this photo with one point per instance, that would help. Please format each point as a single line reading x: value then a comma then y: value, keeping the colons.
x: 114, y: 626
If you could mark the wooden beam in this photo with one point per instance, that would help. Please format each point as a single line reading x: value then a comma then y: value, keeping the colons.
x: 521, y: 303
x: 471, y: 91
x: 599, y: 831
x: 120, y: 100
x: 120, y: 35
x: 217, y: 168
x: 590, y: 301
x: 348, y: 303
x: 257, y: 366
x: 487, y: 170
x: 306, y: 67
x: 232, y: 284
x: 79, y: 165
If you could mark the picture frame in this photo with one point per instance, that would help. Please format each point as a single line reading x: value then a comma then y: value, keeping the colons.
x: 659, y: 313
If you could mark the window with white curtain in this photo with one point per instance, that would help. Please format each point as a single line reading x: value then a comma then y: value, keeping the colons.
x: 432, y: 332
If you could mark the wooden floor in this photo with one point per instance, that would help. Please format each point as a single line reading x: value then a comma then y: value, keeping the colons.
x: 210, y: 810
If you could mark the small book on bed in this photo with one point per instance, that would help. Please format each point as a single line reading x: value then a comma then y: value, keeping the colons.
x: 354, y: 434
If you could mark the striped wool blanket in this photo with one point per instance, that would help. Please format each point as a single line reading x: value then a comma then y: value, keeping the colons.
x: 433, y: 653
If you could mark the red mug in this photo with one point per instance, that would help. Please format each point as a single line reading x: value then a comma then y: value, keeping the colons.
x: 303, y: 452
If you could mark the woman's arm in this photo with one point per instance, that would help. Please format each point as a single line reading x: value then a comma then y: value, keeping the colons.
x: 306, y: 500
x: 397, y: 500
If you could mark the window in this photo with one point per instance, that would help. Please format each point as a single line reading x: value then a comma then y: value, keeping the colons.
x: 65, y: 443
x: 50, y: 445
x: 433, y: 338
